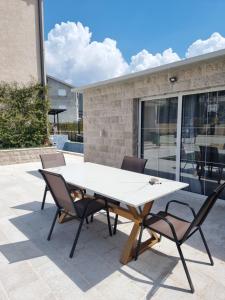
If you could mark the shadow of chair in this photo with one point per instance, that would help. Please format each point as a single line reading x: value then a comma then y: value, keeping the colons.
x: 97, y: 257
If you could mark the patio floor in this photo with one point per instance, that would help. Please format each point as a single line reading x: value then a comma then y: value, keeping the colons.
x: 33, y: 268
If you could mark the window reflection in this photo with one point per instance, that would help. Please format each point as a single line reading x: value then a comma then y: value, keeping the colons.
x: 159, y: 130
x: 203, y: 141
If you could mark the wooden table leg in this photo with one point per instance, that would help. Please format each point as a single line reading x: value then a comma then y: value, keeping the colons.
x: 149, y: 243
x: 130, y: 246
x: 61, y: 218
x: 65, y: 218
x: 128, y: 250
x: 146, y: 209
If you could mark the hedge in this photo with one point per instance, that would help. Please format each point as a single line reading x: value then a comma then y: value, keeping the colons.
x: 23, y: 115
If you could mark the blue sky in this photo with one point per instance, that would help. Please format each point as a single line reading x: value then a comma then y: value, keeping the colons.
x: 137, y: 25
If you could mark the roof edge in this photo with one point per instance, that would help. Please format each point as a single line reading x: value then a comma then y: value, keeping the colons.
x: 61, y: 81
x: 173, y: 65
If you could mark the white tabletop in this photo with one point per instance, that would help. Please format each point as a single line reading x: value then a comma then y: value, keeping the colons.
x: 127, y: 187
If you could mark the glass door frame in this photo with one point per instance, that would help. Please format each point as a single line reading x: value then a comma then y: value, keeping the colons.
x: 179, y: 96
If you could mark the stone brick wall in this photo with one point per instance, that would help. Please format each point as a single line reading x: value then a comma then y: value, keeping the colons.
x: 108, y: 130
x: 16, y: 156
x: 20, y: 59
x: 111, y: 110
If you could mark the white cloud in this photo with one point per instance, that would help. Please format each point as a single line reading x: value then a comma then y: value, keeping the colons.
x: 144, y: 59
x: 215, y: 42
x: 72, y: 56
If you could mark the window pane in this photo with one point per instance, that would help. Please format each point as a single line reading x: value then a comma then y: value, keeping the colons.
x: 159, y: 129
x: 203, y: 141
x: 62, y: 92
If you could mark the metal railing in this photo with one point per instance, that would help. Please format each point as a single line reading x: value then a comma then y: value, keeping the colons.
x: 72, y: 135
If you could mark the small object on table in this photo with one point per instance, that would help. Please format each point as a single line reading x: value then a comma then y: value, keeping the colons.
x: 154, y: 180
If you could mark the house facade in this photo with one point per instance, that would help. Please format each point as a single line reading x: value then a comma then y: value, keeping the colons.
x: 62, y: 97
x: 21, y: 47
x: 173, y: 115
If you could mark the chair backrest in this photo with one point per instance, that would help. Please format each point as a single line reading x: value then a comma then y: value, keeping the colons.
x: 205, y: 208
x: 209, y: 154
x: 133, y: 164
x: 52, y: 160
x: 59, y: 190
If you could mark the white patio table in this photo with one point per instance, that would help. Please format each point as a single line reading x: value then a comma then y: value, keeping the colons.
x: 130, y: 188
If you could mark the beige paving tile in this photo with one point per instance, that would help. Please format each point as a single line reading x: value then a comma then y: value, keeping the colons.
x: 16, y: 275
x: 120, y: 287
x: 3, y: 293
x: 32, y: 268
x: 35, y: 290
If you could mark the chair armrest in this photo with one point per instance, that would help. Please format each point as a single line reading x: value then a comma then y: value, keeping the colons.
x: 163, y: 219
x: 181, y: 203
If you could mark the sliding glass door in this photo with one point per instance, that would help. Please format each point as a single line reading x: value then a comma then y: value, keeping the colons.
x: 203, y: 141
x: 196, y: 153
x: 158, y: 135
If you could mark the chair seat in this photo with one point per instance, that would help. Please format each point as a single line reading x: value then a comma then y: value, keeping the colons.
x: 93, y: 207
x: 160, y: 226
x: 97, y: 196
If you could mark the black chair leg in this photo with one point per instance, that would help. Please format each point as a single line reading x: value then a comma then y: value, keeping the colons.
x: 140, y: 209
x: 76, y: 238
x: 160, y: 238
x: 108, y: 220
x: 87, y: 221
x: 139, y: 242
x: 185, y: 268
x: 43, y: 201
x: 220, y: 175
x: 206, y: 246
x: 92, y: 218
x: 115, y: 224
x: 53, y: 225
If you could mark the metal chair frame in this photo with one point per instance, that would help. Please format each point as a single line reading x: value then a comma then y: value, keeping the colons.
x: 60, y: 210
x: 45, y: 166
x: 195, y: 226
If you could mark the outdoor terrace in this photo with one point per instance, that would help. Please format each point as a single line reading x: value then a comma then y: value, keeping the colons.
x: 33, y: 268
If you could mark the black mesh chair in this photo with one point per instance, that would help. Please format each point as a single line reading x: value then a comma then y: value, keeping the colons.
x: 82, y: 209
x: 53, y: 160
x: 209, y: 157
x: 179, y: 230
x: 129, y: 163
x: 133, y: 164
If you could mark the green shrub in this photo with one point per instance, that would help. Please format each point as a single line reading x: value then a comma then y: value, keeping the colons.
x: 23, y: 115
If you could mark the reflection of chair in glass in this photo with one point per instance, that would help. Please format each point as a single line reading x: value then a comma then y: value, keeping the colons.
x: 209, y: 157
x: 189, y: 154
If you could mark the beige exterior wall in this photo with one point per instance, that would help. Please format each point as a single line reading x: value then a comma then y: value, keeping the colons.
x: 111, y: 114
x: 19, y: 41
